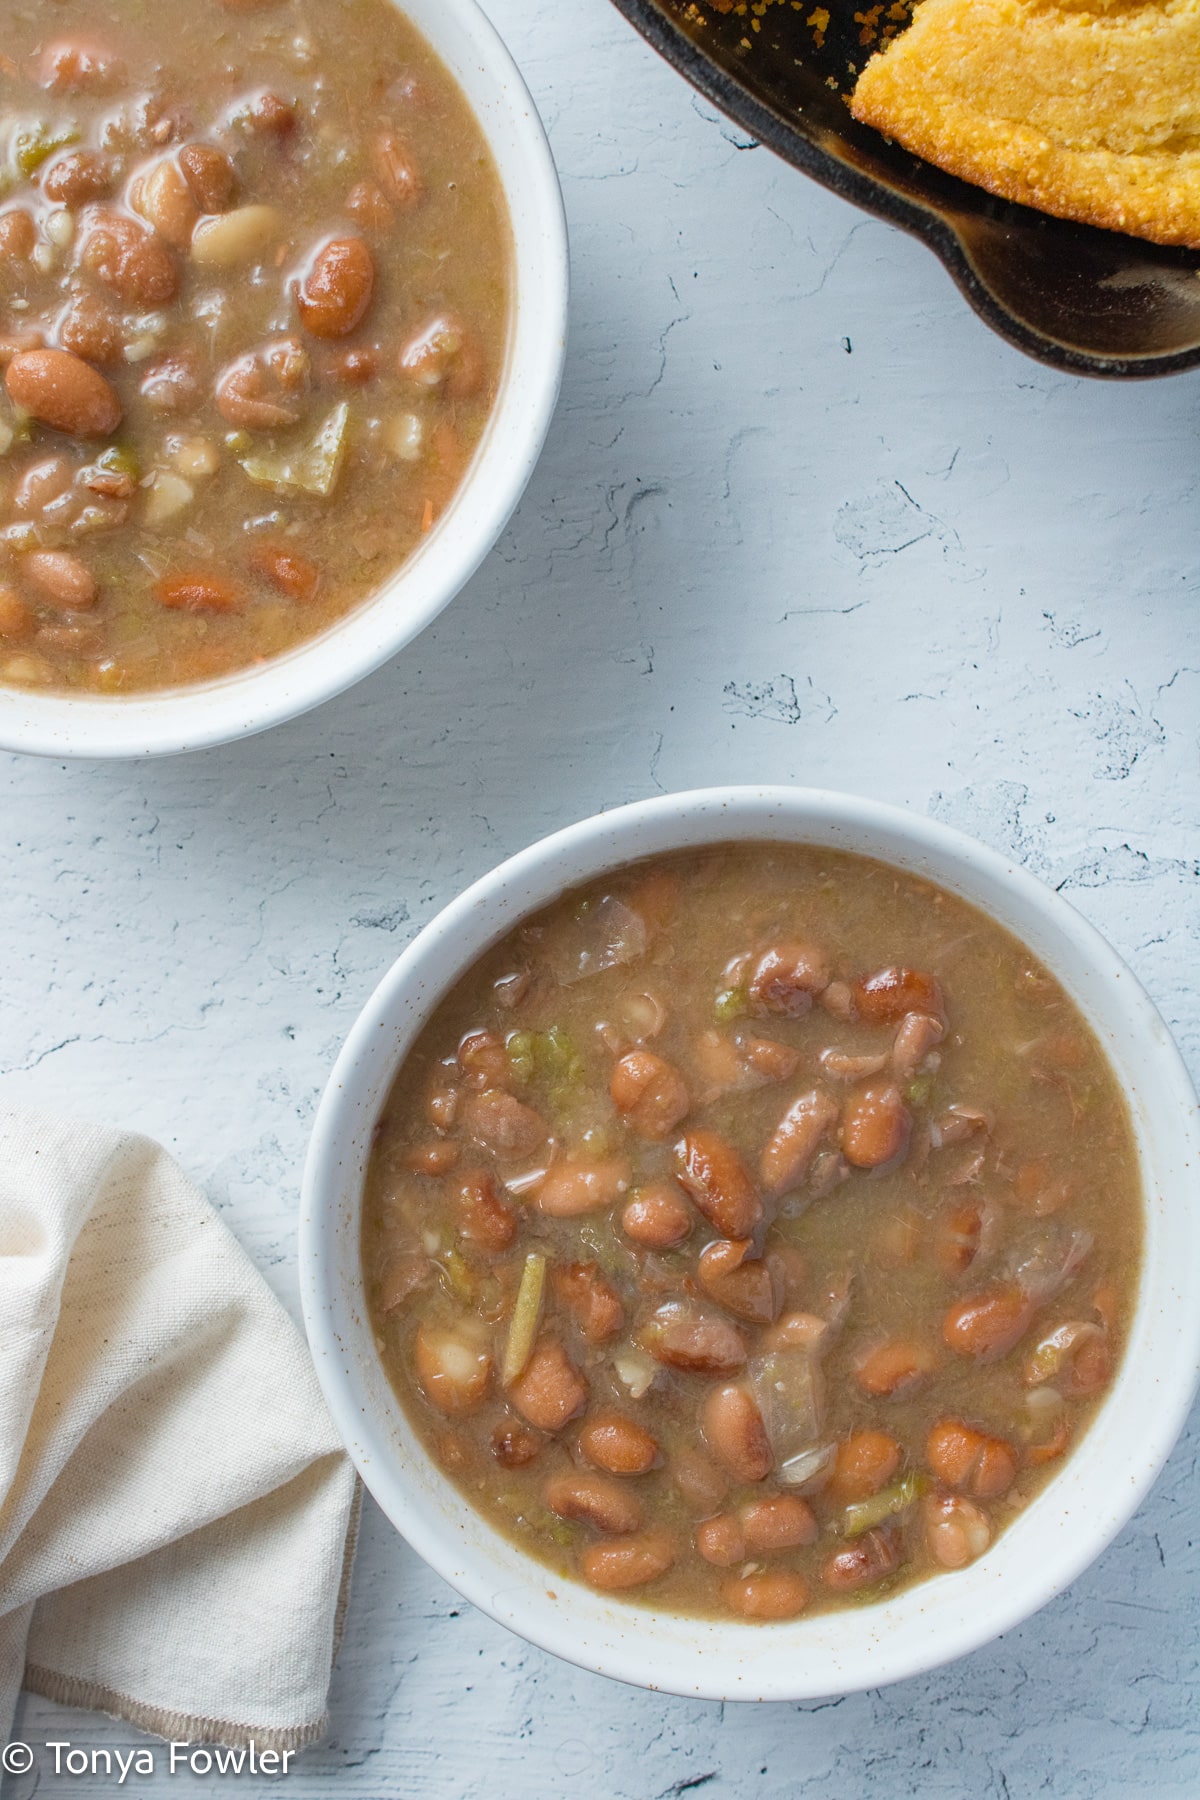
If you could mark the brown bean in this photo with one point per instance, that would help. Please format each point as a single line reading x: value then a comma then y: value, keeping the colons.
x: 18, y: 235
x: 61, y: 390
x: 956, y: 1530
x: 734, y: 1431
x: 502, y: 1123
x: 288, y: 572
x: 485, y: 1218
x: 197, y: 592
x: 71, y: 66
x: 700, y: 1483
x: 916, y: 1036
x: 515, y: 1445
x: 715, y: 1177
x: 209, y: 174
x: 130, y: 260
x: 658, y: 1217
x: 970, y: 1460
x: 81, y: 176
x: 617, y: 1443
x: 594, y: 1500
x: 1040, y: 1189
x: 775, y: 1595
x: 404, y: 1276
x: 355, y: 367
x: 443, y: 354
x: 885, y: 997
x: 261, y: 391
x: 987, y: 1325
x: 91, y: 329
x: 957, y: 1234
x: 866, y: 1461
x: 396, y: 168
x: 743, y: 1284
x: 164, y: 199
x: 62, y: 579
x: 649, y: 1093
x: 796, y: 1331
x: 574, y: 1186
x: 594, y: 1305
x: 720, y: 1541
x: 895, y: 1366
x: 550, y: 1391
x: 779, y: 1522
x: 874, y: 1556
x: 335, y: 293
x: 628, y: 1562
x: 701, y: 1343
x: 789, y: 1150
x: 369, y: 209
x: 435, y: 1156
x: 875, y: 1126
x: 785, y: 978
x: 16, y: 620
x: 269, y: 116
x: 454, y: 1367
x: 172, y: 385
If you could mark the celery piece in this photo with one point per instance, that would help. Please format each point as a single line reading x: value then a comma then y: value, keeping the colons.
x: 458, y: 1275
x: 864, y: 1515
x: 32, y: 144
x: 527, y: 1314
x: 555, y: 1054
x: 917, y: 1092
x: 519, y: 1045
x: 314, y: 470
x: 730, y: 1003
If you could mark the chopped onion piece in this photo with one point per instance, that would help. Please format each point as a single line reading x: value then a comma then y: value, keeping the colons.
x: 635, y: 1370
x: 525, y: 1180
x: 607, y: 935
x: 808, y: 1468
x: 787, y: 1386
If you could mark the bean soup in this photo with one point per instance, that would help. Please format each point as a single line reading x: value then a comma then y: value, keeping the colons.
x: 754, y: 1230
x: 255, y: 274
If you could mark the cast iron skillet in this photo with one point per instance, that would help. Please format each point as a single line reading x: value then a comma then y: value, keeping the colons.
x: 1093, y: 302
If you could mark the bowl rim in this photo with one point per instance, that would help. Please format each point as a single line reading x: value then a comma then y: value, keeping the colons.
x: 194, y: 716
x: 923, y: 1626
x: 790, y: 139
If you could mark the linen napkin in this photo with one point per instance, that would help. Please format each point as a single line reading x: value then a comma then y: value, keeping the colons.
x: 177, y: 1515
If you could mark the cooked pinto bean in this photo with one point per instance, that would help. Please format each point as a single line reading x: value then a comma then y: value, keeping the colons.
x: 484, y: 1217
x: 164, y: 198
x: 699, y: 1342
x: 649, y: 1093
x: 987, y: 1325
x: 788, y: 1152
x: 863, y: 1563
x: 262, y: 390
x: 591, y: 1301
x: 244, y: 236
x: 780, y: 1594
x: 720, y: 1541
x: 197, y: 592
x: 74, y: 179
x: 335, y: 293
x: 956, y: 1531
x: 62, y: 579
x: 62, y: 391
x: 484, y: 1061
x: 742, y: 1284
x: 957, y: 1237
x: 434, y: 1157
x: 866, y: 1461
x: 502, y: 1123
x: 970, y: 1460
x: 875, y: 1126
x: 16, y: 620
x: 515, y: 1445
x: 209, y: 175
x: 71, y: 66
x: 714, y: 1175
x: 286, y: 571
x: 657, y: 1216
x: 1074, y: 1356
x: 618, y: 1444
x: 172, y: 385
x: 884, y: 998
x: 90, y: 329
x: 918, y: 1034
x: 572, y: 1187
x: 779, y: 1522
x: 130, y: 260
x: 593, y: 1500
x: 734, y: 1431
x: 628, y: 1562
x: 443, y: 355
x: 396, y: 169
x: 551, y: 1391
x: 894, y: 1366
x: 454, y: 1367
x: 786, y: 977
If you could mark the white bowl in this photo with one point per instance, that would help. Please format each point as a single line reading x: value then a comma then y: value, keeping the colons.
x: 1045, y: 1548
x: 188, y: 718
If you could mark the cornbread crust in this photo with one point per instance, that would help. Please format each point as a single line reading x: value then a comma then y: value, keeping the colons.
x: 1090, y: 111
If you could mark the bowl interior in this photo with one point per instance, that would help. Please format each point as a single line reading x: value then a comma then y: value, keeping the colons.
x: 1095, y: 302
x: 1044, y: 1549
x: 171, y: 720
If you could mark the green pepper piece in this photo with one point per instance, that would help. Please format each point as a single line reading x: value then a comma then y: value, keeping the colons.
x: 864, y: 1515
x: 527, y: 1315
x: 32, y: 144
x: 731, y: 1003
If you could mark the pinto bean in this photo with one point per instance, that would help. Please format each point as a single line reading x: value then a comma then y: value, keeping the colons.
x: 369, y: 209
x: 916, y: 1035
x: 1075, y: 1356
x: 657, y: 1216
x: 734, y: 1431
x: 197, y: 592
x: 209, y: 175
x: 172, y: 385
x: 714, y: 1175
x: 957, y: 1236
x: 699, y: 1342
x: 164, y: 199
x: 355, y: 367
x: 63, y: 391
x: 592, y: 1302
x: 454, y: 1367
x: 742, y: 1284
x: 16, y: 620
x: 789, y: 1150
x: 720, y: 1541
x: 515, y: 1445
x: 74, y: 179
x: 62, y: 579
x: 895, y: 1366
x: 866, y: 1461
x: 593, y: 1500
x: 875, y: 1126
x: 484, y: 1061
x: 269, y: 116
x: 404, y: 1276
x: 970, y: 1460
x: 618, y: 1444
x: 885, y: 997
x: 987, y: 1325
x: 502, y: 1123
x: 700, y: 1483
x: 649, y: 1093
x: 796, y: 1331
x: 335, y: 293
x: 484, y: 1217
x: 432, y: 1157
x: 628, y: 1562
x: 71, y: 66
x: 573, y: 1186
x: 956, y: 1530
x: 767, y: 1598
x: 91, y: 329
x: 444, y: 355
x: 868, y: 1560
x: 229, y: 239
x: 396, y: 168
x: 261, y: 390
x: 779, y: 1522
x: 441, y: 1104
x: 785, y: 978
x: 287, y: 571
x: 550, y: 1391
x: 130, y: 260
x: 1040, y: 1189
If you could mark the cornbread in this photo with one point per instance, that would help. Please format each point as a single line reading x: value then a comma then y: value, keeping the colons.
x: 1088, y: 109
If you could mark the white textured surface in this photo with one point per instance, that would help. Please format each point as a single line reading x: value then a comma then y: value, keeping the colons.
x: 801, y: 518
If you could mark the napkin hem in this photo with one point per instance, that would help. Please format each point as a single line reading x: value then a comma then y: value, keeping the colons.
x: 173, y: 1727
